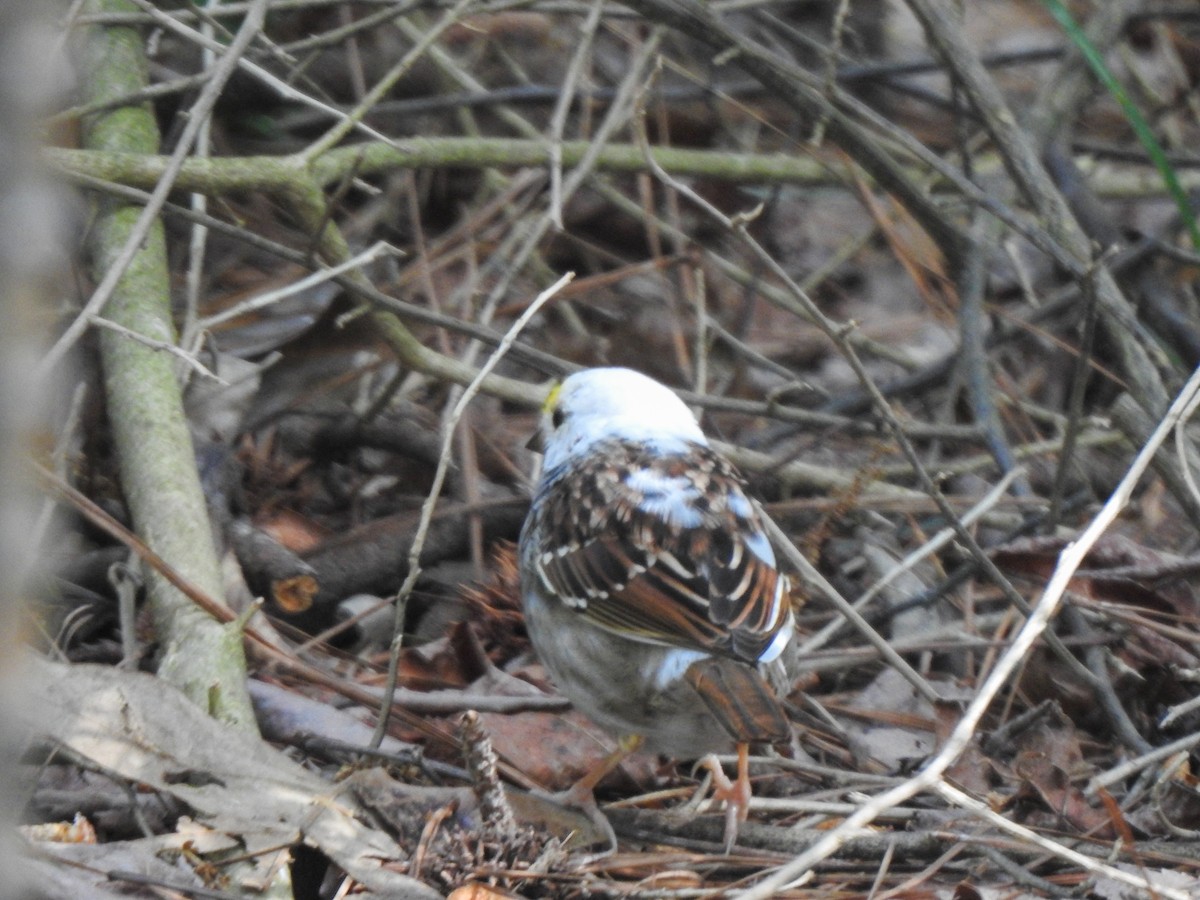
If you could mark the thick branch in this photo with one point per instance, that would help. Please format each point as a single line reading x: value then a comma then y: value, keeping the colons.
x: 145, y: 407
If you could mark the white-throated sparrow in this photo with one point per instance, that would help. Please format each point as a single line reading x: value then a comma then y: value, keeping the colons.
x: 650, y: 588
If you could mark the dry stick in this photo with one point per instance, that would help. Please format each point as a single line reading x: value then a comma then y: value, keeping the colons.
x: 198, y: 239
x: 1181, y: 450
x: 930, y: 776
x: 319, y: 276
x: 583, y: 169
x: 966, y: 801
x: 833, y: 51
x: 146, y: 94
x: 446, y: 63
x: 980, y: 462
x: 974, y: 359
x: 225, y: 11
x: 1174, y: 713
x: 350, y: 121
x: 1097, y: 659
x: 846, y: 608
x: 700, y: 376
x: 335, y: 36
x: 935, y: 543
x: 196, y: 118
x: 165, y: 346
x: 414, y: 556
x: 285, y: 90
x: 1021, y: 160
x: 1132, y: 766
x: 1079, y: 381
x: 1136, y: 422
x: 558, y: 121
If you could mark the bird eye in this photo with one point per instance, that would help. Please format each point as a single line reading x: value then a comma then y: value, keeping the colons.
x: 557, y: 417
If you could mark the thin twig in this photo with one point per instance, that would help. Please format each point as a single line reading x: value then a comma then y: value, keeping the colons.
x: 810, y: 574
x: 1079, y: 381
x: 439, y: 477
x: 974, y: 360
x: 1133, y: 766
x: 196, y: 118
x: 836, y: 332
x: 566, y: 95
x: 931, y: 546
x: 352, y: 120
x: 1183, y: 446
x: 931, y: 775
x: 281, y: 87
x: 320, y: 276
x: 165, y: 346
x: 198, y: 238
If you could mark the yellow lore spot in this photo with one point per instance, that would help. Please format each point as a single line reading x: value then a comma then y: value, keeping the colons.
x: 552, y: 398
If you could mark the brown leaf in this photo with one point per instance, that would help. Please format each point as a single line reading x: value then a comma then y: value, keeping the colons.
x: 1050, y: 764
x: 555, y: 750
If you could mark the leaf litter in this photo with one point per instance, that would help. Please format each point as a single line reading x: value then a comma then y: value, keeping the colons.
x: 317, y: 454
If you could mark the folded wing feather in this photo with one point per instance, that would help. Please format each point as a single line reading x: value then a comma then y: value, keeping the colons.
x: 665, y: 549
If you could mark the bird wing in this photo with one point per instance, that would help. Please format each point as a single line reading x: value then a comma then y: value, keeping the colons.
x: 662, y: 548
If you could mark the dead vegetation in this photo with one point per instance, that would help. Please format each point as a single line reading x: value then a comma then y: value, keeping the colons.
x: 908, y: 260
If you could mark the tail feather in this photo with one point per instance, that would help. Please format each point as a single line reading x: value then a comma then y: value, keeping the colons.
x: 740, y: 700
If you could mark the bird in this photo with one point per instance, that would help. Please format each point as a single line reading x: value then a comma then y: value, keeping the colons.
x: 650, y: 589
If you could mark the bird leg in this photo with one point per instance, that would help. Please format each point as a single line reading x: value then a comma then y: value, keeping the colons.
x: 581, y: 795
x: 735, y: 794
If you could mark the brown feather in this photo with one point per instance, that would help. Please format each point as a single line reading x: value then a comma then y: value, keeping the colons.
x: 619, y: 560
x: 739, y: 699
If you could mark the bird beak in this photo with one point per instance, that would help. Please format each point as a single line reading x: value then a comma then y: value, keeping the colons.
x: 536, y: 442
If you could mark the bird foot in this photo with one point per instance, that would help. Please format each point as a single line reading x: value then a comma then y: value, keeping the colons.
x: 579, y: 797
x: 734, y: 794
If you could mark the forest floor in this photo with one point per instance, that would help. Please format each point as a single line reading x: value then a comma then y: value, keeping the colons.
x: 927, y: 281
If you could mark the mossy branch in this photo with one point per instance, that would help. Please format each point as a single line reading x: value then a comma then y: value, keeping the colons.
x: 280, y: 173
x: 276, y: 174
x: 301, y: 185
x: 145, y: 405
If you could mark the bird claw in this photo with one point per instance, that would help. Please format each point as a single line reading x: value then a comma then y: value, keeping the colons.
x: 579, y: 797
x: 734, y: 794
